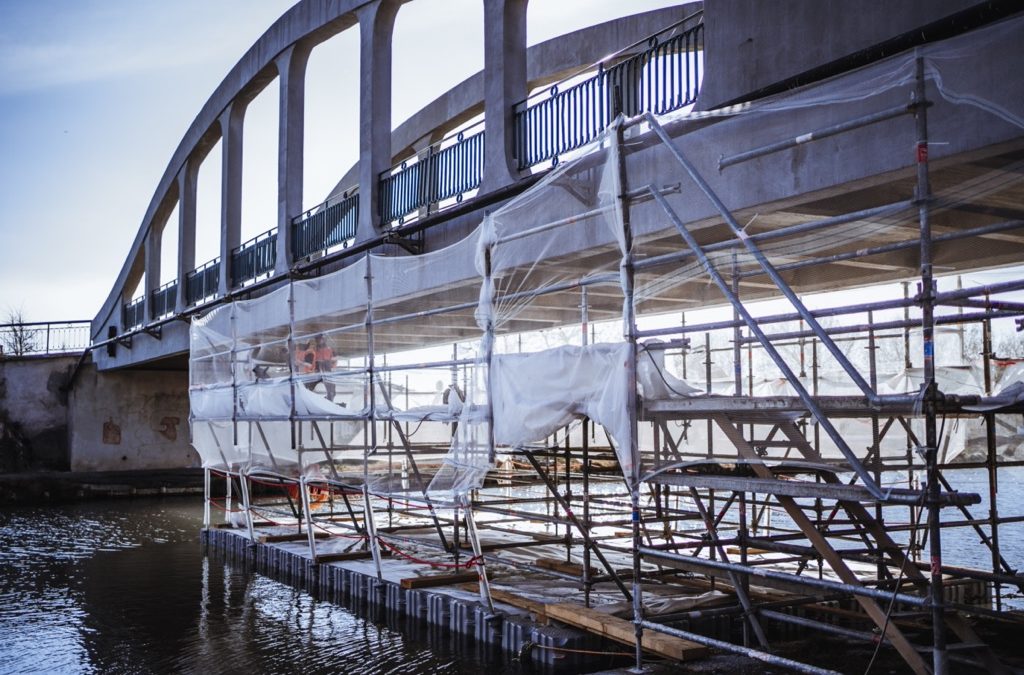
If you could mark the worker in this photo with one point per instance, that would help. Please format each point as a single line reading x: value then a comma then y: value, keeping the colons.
x: 324, y: 360
x: 305, y: 360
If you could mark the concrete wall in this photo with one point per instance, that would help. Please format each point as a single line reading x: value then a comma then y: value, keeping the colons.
x: 750, y: 45
x: 132, y: 420
x: 34, y: 412
x: 129, y: 420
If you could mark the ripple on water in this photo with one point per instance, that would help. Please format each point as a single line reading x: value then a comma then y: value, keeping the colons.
x: 123, y: 587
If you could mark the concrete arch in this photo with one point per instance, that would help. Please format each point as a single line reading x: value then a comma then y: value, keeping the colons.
x: 282, y: 54
x: 297, y: 31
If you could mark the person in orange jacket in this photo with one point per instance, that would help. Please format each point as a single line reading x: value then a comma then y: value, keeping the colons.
x: 324, y: 363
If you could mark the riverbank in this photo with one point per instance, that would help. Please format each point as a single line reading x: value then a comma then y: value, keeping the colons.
x: 44, y: 487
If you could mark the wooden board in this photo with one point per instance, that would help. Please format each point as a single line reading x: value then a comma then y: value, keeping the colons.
x: 439, y: 580
x: 533, y: 606
x: 621, y: 630
x: 296, y: 536
x: 560, y: 566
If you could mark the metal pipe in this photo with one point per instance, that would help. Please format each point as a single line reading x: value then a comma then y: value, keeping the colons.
x: 811, y: 582
x: 823, y: 132
x: 752, y: 248
x: 885, y: 325
x: 895, y: 246
x: 805, y: 396
x: 940, y: 662
x: 771, y: 659
x: 782, y: 232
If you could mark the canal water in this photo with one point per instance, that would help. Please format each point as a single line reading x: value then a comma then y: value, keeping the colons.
x: 123, y: 587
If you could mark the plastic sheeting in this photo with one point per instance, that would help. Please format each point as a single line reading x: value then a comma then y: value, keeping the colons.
x: 467, y: 367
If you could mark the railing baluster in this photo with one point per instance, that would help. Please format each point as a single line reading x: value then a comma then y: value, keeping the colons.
x: 662, y: 78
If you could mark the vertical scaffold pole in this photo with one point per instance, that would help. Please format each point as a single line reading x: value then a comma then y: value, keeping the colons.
x: 584, y: 321
x: 991, y: 464
x: 370, y: 447
x: 930, y: 391
x: 206, y: 498
x: 629, y: 333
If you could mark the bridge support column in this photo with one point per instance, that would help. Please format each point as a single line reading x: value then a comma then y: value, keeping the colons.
x: 376, y: 25
x: 291, y: 71
x: 504, y: 86
x: 187, y: 182
x: 151, y: 282
x: 231, y: 122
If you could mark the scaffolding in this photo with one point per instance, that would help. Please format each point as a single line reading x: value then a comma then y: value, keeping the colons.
x: 509, y: 402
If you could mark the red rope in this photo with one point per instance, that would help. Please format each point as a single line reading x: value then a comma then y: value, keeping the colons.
x: 281, y: 484
x: 265, y: 519
x: 217, y: 503
x: 408, y: 505
x: 433, y: 563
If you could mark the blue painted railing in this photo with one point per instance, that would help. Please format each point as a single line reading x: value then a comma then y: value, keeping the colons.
x: 202, y: 282
x: 133, y: 314
x: 445, y: 170
x: 164, y: 299
x: 663, y: 77
x: 254, y: 259
x: 326, y: 226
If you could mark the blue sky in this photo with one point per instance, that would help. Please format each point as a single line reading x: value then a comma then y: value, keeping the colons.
x: 96, y: 94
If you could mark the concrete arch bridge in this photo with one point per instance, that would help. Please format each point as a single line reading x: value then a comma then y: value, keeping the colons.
x: 718, y: 157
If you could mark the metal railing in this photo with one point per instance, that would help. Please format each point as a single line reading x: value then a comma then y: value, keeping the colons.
x: 133, y: 314
x: 254, y: 259
x: 44, y: 337
x: 164, y: 299
x: 326, y: 225
x: 445, y: 170
x: 203, y: 282
x: 663, y: 77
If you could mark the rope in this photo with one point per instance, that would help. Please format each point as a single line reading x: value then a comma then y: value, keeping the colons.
x: 256, y: 509
x: 528, y: 646
x: 433, y: 563
x: 217, y: 503
x: 408, y: 505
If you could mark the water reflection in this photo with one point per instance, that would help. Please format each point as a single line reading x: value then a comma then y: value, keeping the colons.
x: 123, y: 587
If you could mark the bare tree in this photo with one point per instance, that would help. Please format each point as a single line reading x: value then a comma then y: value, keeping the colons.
x: 16, y: 338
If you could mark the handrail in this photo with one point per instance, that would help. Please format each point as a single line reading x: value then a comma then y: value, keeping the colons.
x: 44, y: 337
x: 663, y: 77
x: 164, y: 299
x: 203, y: 282
x: 254, y: 258
x: 597, y: 65
x: 447, y: 169
x: 327, y: 225
x: 133, y: 313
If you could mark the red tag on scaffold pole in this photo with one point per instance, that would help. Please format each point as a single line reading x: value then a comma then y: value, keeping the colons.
x: 922, y: 152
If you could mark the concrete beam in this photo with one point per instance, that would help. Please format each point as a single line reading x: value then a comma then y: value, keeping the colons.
x: 187, y: 184
x: 750, y: 45
x: 291, y: 72
x: 376, y: 27
x: 504, y: 86
x: 231, y: 127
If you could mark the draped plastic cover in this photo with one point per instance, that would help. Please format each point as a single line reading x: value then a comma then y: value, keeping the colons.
x: 404, y: 370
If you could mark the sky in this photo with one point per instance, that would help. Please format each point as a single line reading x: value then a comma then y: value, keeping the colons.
x: 95, y: 96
